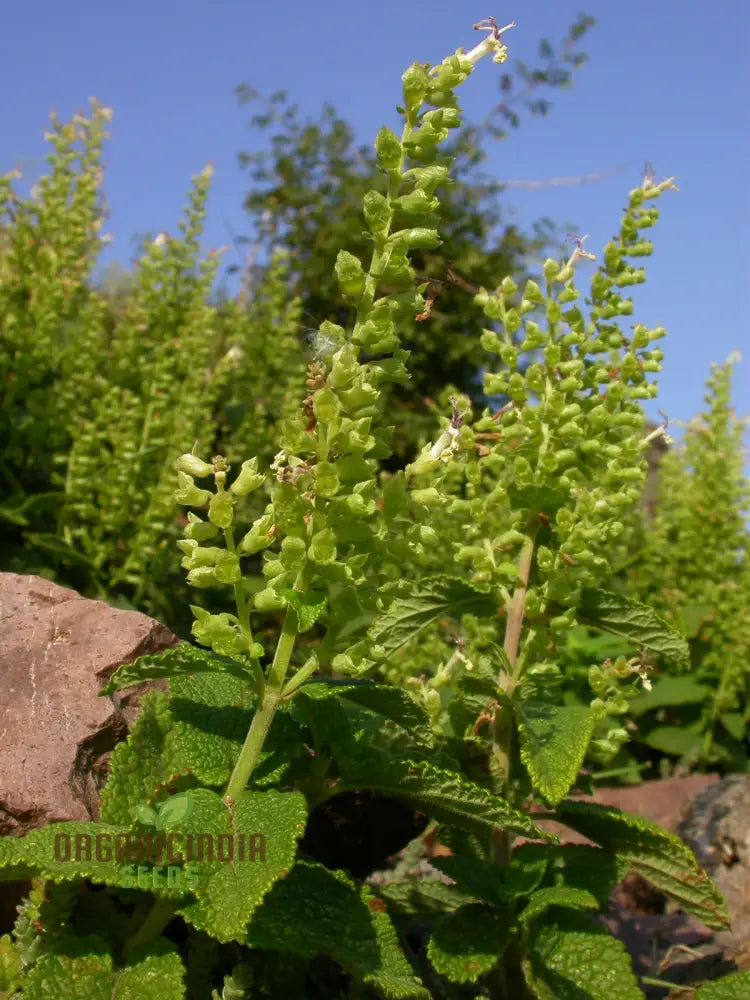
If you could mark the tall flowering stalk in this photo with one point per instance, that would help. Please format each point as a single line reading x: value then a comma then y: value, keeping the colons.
x: 692, y: 563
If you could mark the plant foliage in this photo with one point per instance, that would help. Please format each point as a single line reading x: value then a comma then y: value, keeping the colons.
x: 320, y: 728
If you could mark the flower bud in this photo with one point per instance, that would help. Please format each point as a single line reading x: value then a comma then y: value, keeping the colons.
x: 323, y: 547
x: 551, y: 269
x: 203, y: 576
x: 269, y: 600
x: 490, y: 341
x: 194, y: 466
x: 199, y: 530
x: 326, y: 405
x: 248, y: 480
x: 416, y: 83
x: 509, y: 355
x: 188, y: 493
x: 429, y: 497
x: 258, y: 537
x: 544, y: 558
x: 293, y: 551
x: 350, y: 275
x: 220, y: 510
x: 388, y: 148
x: 533, y: 292
x: 377, y: 212
x: 326, y: 479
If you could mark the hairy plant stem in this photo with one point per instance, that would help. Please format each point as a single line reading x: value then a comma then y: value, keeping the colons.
x: 266, y: 710
x: 152, y: 925
x: 503, y: 729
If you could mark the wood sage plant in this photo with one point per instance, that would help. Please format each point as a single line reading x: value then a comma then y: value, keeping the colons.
x: 285, y: 767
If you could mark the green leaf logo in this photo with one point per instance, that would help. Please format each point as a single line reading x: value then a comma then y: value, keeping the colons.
x: 146, y: 815
x: 175, y: 809
x: 169, y: 812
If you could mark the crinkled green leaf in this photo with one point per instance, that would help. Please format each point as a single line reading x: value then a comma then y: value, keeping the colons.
x: 469, y: 699
x: 660, y: 857
x: 573, y: 866
x: 444, y: 795
x: 84, y: 976
x: 182, y: 659
x: 558, y: 895
x: 102, y: 853
x: 12, y: 866
x: 331, y: 723
x: 212, y: 715
x: 229, y: 890
x: 553, y: 742
x: 528, y: 866
x: 284, y: 751
x: 317, y: 911
x: 480, y: 878
x: 735, y: 986
x: 468, y: 943
x: 421, y: 602
x: 308, y: 607
x: 421, y: 897
x: 618, y: 615
x: 149, y: 760
x: 572, y: 958
x: 155, y: 974
x: 51, y: 852
x: 384, y: 699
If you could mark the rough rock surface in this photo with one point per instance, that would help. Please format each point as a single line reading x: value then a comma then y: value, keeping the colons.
x: 717, y: 828
x: 57, y: 649
x: 664, y: 802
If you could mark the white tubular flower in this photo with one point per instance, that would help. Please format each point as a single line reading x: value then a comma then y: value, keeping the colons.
x: 492, y: 43
x: 447, y: 444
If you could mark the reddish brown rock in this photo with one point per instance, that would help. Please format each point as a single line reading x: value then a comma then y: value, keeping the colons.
x: 717, y: 828
x: 664, y: 802
x: 57, y: 649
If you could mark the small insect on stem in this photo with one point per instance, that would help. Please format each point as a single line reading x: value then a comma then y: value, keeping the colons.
x: 502, y: 410
x: 436, y: 285
x: 488, y: 715
x: 433, y: 290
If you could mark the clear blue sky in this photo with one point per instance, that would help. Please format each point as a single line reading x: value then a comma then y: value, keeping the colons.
x: 667, y: 81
